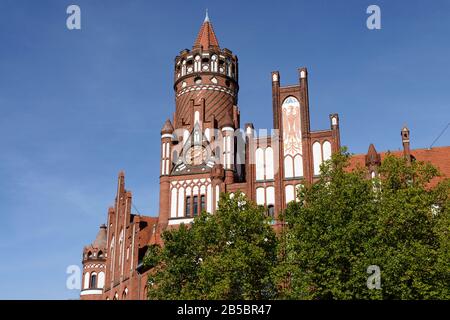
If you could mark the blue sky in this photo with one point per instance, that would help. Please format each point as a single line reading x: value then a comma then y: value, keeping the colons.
x: 79, y: 106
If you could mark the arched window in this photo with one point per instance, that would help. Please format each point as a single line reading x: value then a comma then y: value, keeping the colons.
x: 89, y: 255
x: 111, y: 251
x: 214, y: 63
x: 188, y: 207
x: 183, y: 68
x: 124, y: 294
x: 116, y: 296
x: 202, y: 203
x: 86, y: 280
x: 197, y: 63
x: 195, y: 211
x: 121, y: 247
x: 260, y: 197
x: 93, y: 283
x: 288, y: 167
x: 317, y: 157
x: 271, y: 210
x: 101, y: 280
x: 326, y: 147
x: 269, y: 163
x: 259, y: 155
x: 270, y: 195
x: 298, y: 166
x: 100, y: 254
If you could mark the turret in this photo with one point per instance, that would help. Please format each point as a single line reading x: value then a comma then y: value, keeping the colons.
x: 228, y: 147
x: 406, y: 144
x: 166, y: 138
x: 94, y: 266
x: 334, y: 124
x: 207, y: 77
x: 166, y: 166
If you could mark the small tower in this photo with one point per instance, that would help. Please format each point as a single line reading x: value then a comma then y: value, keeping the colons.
x: 206, y: 81
x: 228, y: 147
x: 94, y: 267
x: 334, y: 123
x: 406, y: 146
x: 166, y: 166
x: 198, y: 145
x: 166, y: 139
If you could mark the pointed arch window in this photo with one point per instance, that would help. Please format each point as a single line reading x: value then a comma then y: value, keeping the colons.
x: 120, y: 247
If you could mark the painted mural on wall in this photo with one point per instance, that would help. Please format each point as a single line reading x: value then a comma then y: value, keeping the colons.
x: 292, y: 134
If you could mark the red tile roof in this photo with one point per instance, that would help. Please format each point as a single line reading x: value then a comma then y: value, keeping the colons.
x: 438, y: 156
x: 206, y: 36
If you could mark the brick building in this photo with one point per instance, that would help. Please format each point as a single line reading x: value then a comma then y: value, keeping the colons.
x: 204, y: 152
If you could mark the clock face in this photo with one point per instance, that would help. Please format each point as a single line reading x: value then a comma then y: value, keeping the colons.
x: 195, y: 156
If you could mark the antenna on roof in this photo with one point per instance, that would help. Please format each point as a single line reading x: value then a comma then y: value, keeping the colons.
x: 440, y: 134
x: 136, y: 209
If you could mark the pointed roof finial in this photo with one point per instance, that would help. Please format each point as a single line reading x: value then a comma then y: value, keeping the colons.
x: 206, y: 36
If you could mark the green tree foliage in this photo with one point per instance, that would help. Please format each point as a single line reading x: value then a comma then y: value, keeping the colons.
x: 227, y: 255
x: 340, y: 225
x: 346, y: 222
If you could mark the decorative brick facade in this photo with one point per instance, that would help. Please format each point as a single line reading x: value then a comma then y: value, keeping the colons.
x: 204, y: 152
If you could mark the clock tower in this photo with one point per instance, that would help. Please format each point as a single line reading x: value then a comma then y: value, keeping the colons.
x: 197, y: 146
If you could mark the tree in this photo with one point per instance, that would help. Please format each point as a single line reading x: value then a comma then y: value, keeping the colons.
x: 226, y: 255
x: 345, y: 222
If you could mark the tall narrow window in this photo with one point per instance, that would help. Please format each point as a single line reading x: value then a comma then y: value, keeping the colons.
x: 93, y: 281
x: 214, y: 63
x: 203, y: 203
x: 188, y: 207
x: 195, y: 206
x: 197, y: 64
x: 271, y: 210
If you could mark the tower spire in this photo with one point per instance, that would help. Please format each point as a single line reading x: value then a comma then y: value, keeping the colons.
x: 206, y: 36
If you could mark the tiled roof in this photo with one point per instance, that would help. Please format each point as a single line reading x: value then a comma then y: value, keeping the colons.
x: 167, y: 127
x: 438, y: 156
x: 100, y: 240
x: 206, y: 36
